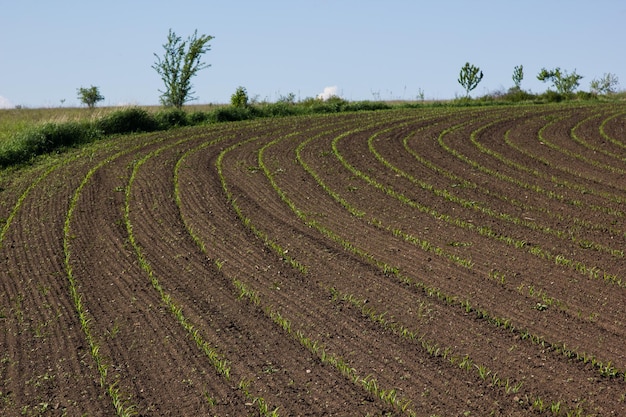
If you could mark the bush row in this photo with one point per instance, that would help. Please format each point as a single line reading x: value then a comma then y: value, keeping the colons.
x: 49, y: 137
x: 517, y: 95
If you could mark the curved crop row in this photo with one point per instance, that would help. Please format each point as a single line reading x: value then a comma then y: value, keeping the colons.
x: 421, y: 262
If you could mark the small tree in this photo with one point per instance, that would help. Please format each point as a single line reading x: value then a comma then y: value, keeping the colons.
x: 518, y: 76
x: 563, y: 82
x: 89, y: 96
x: 469, y: 77
x: 604, y: 85
x: 181, y: 61
x: 240, y: 97
x: 288, y: 99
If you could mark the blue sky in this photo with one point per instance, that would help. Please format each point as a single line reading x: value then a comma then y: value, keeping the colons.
x: 388, y: 49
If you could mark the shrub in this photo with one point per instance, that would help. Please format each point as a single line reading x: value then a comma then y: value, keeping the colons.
x: 552, y: 96
x: 279, y: 109
x: 239, y: 98
x: 46, y: 138
x: 516, y: 95
x: 231, y: 114
x: 198, y: 117
x: 585, y: 95
x: 167, y: 119
x: 55, y: 135
x: 366, y: 106
x: 607, y: 84
x: 333, y: 104
x: 288, y: 99
x: 127, y: 121
x: 464, y: 101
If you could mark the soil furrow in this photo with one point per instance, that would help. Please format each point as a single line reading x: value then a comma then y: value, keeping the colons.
x: 438, y: 259
x: 302, y: 300
x: 48, y: 366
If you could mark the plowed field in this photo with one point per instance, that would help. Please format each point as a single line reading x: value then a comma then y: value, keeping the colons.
x: 450, y: 262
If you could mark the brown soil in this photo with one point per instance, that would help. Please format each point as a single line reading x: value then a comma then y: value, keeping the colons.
x: 419, y: 262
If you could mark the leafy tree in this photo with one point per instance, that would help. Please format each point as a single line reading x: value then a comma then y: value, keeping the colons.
x: 90, y: 96
x: 469, y: 77
x: 604, y: 85
x: 181, y: 61
x: 518, y: 76
x: 240, y: 97
x: 563, y: 82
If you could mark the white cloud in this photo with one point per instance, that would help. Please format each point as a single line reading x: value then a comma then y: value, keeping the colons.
x: 5, y: 103
x: 127, y: 104
x: 328, y: 93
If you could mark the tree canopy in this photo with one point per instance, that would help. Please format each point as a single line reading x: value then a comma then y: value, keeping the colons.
x: 181, y: 61
x: 90, y: 96
x: 469, y: 77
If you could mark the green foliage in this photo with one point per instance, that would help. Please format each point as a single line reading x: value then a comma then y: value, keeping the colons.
x: 20, y: 146
x: 564, y: 83
x: 469, y: 77
x: 54, y: 135
x: 90, y: 96
x: 517, y: 95
x: 23, y: 145
x: 512, y: 95
x: 333, y: 104
x: 605, y: 85
x: 518, y: 76
x: 279, y: 109
x: 45, y: 138
x: 198, y: 117
x: 170, y: 118
x: 231, y: 114
x: 288, y: 99
x: 181, y: 61
x: 284, y: 106
x: 366, y: 106
x: 239, y: 98
x: 127, y: 121
x: 586, y: 95
x: 551, y: 96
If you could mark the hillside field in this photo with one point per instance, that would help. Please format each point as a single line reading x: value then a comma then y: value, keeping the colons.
x: 420, y: 262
